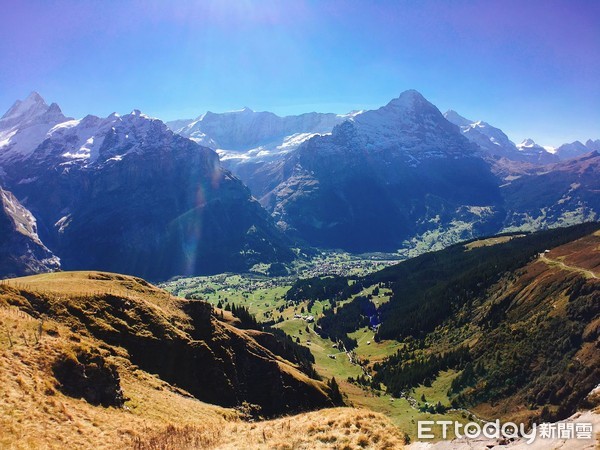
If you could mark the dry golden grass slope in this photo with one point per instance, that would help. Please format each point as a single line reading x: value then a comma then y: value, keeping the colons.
x: 36, y: 414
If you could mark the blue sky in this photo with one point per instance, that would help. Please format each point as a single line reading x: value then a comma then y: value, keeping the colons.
x: 530, y: 67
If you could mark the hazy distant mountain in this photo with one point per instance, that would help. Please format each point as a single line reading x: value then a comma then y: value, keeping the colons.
x: 175, y: 125
x: 536, y: 153
x: 125, y: 194
x: 244, y: 130
x: 576, y: 149
x: 21, y: 250
x: 246, y: 140
x: 564, y: 193
x: 539, y: 196
x: 492, y: 140
x: 495, y: 143
x: 593, y: 145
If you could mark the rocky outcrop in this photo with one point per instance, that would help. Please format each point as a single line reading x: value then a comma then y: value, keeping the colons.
x: 89, y: 376
x: 21, y: 250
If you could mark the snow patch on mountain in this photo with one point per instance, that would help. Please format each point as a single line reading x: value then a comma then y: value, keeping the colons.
x: 267, y: 152
x: 94, y: 140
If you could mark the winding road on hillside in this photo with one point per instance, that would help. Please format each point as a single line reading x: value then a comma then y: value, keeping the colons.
x: 562, y: 265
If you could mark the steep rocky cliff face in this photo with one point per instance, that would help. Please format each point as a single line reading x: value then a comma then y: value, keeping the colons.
x: 21, y: 250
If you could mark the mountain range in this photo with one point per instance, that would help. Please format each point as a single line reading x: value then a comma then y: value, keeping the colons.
x: 350, y: 187
x: 227, y: 191
x: 126, y: 194
x: 494, y: 143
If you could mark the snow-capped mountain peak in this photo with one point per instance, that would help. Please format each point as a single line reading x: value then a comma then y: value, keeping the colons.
x: 593, y: 145
x: 28, y: 111
x: 401, y: 109
x: 409, y: 100
x: 410, y: 123
x: 535, y: 153
x: 25, y: 124
x: 33, y: 105
x: 527, y: 143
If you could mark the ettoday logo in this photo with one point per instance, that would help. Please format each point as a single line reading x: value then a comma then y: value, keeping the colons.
x: 430, y: 429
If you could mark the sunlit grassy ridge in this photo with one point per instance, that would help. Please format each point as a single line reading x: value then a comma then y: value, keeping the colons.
x: 42, y: 319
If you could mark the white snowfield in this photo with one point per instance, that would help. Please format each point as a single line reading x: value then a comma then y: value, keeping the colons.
x: 269, y: 151
x: 248, y: 136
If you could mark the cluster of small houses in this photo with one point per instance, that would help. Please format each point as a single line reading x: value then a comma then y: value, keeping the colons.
x: 329, y: 267
x: 308, y: 319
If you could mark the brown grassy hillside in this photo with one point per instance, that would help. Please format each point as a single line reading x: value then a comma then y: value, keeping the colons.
x: 93, y: 360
